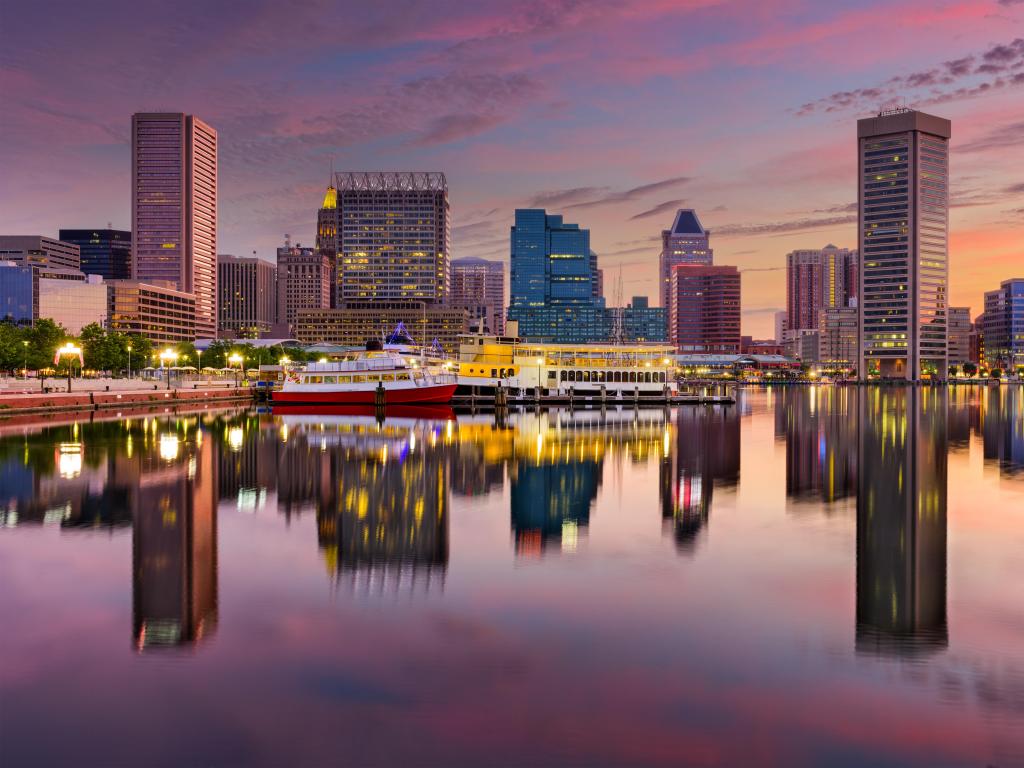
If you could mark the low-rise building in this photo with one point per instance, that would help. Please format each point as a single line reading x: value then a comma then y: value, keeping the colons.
x: 356, y: 322
x: 958, y: 322
x: 163, y: 315
x: 71, y: 298
x: 1004, y: 325
x: 39, y: 251
x: 837, y: 339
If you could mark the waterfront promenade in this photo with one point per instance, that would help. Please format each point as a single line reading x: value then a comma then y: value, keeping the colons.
x: 32, y: 396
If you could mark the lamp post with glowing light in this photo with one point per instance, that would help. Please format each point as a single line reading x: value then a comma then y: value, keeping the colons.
x: 236, y: 359
x: 24, y: 369
x: 167, y: 357
x: 71, y: 351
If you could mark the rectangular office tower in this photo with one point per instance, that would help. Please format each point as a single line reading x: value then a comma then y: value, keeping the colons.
x: 478, y: 285
x: 247, y: 305
x: 818, y: 279
x: 390, y: 233
x: 104, y: 252
x: 903, y: 223
x: 174, y: 208
x: 686, y: 243
x: 704, y: 309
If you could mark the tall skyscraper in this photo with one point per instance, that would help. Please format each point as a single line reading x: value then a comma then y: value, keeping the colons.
x: 686, y: 243
x: 816, y: 280
x: 553, y: 281
x: 327, y: 237
x: 391, y: 234
x: 247, y: 288
x: 174, y: 208
x: 104, y: 252
x: 303, y: 282
x: 1004, y: 325
x: 903, y: 221
x: 704, y: 309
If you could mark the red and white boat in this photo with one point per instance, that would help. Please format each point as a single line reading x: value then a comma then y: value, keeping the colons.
x: 356, y: 382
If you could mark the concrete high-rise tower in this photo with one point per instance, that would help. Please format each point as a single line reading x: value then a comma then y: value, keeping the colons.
x: 174, y: 208
x: 686, y: 243
x: 903, y: 224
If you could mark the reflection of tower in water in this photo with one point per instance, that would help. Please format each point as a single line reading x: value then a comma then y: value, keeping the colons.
x: 174, y: 540
x: 706, y: 454
x: 901, y: 521
x: 819, y: 424
x: 382, y: 518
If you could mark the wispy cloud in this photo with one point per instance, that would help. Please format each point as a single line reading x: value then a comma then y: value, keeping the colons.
x: 660, y: 208
x: 782, y: 227
x: 1000, y: 60
x: 1002, y: 137
x: 635, y: 193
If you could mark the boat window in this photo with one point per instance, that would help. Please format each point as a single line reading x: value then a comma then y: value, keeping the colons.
x: 316, y: 379
x: 344, y: 379
x: 330, y: 379
x: 494, y: 373
x: 358, y: 379
x: 561, y: 375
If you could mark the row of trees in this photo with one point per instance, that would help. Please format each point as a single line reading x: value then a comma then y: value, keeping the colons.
x: 33, y: 347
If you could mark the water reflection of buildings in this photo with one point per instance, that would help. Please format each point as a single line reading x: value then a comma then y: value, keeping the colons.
x: 380, y: 495
x: 819, y: 425
x: 556, y: 462
x: 1003, y: 428
x: 706, y: 454
x: 155, y: 475
x: 901, y: 521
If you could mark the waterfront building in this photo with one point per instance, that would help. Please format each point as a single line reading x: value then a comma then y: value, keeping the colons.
x: 17, y: 304
x: 977, y: 354
x: 71, y: 298
x: 391, y: 235
x: 327, y: 239
x: 554, y: 280
x: 818, y: 279
x: 104, y: 252
x: 163, y: 315
x: 247, y: 288
x: 959, y: 344
x: 837, y: 339
x: 174, y: 209
x: 687, y: 242
x: 303, y: 282
x: 903, y: 221
x: 355, y: 322
x: 781, y: 326
x: 39, y: 252
x: 751, y: 346
x: 480, y: 283
x: 638, y: 322
x: 1004, y: 325
x: 704, y: 309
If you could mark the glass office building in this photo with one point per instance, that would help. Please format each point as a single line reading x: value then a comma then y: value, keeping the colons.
x: 104, y: 252
x: 903, y: 222
x: 553, y: 281
x: 1004, y: 326
x: 16, y: 289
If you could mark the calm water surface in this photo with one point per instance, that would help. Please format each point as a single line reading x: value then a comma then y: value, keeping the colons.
x: 816, y: 576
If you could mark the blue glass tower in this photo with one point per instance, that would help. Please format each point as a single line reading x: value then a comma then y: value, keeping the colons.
x: 554, y: 280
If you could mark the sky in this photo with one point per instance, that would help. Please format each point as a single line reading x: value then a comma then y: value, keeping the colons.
x: 611, y: 112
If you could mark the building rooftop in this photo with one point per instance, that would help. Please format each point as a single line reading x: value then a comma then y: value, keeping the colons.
x: 687, y: 223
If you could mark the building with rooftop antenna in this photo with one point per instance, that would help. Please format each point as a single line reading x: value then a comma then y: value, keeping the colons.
x: 687, y: 242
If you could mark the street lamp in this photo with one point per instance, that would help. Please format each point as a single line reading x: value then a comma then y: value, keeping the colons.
x: 68, y: 350
x: 166, y: 357
x: 236, y: 359
x: 24, y: 370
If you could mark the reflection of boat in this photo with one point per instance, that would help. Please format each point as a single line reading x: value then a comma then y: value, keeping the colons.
x: 374, y: 374
x: 416, y: 412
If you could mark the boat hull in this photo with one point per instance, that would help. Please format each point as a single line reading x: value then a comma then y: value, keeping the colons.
x: 441, y: 393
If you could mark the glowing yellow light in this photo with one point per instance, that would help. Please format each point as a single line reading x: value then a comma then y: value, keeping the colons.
x: 235, y: 438
x: 168, y: 447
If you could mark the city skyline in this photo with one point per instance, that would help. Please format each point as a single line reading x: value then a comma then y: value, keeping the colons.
x: 515, y: 111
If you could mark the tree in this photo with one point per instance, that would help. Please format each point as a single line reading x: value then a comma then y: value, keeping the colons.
x: 970, y: 369
x: 43, y: 340
x: 141, y: 350
x: 94, y: 347
x: 216, y: 356
x: 996, y: 373
x: 953, y: 371
x: 12, y: 351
